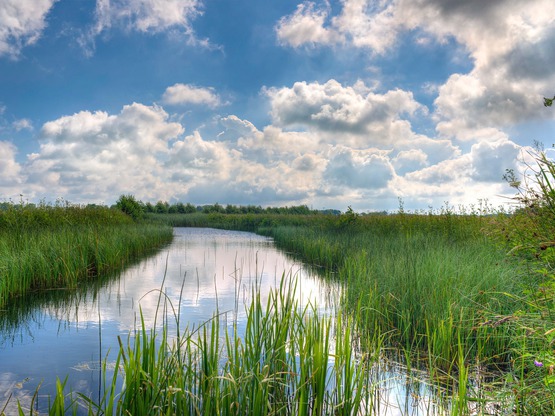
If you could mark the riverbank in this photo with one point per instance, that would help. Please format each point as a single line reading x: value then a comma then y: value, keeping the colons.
x: 452, y: 293
x: 48, y: 247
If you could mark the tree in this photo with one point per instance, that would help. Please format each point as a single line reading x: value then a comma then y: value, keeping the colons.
x: 130, y: 206
x: 162, y: 207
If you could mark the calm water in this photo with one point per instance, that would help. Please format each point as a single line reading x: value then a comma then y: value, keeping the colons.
x: 70, y: 334
x: 203, y: 271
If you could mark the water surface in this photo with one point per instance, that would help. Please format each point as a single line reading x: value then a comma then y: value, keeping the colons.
x: 203, y: 272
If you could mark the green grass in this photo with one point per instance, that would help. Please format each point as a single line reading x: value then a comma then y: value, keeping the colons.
x: 57, y: 247
x: 423, y: 280
x: 289, y: 360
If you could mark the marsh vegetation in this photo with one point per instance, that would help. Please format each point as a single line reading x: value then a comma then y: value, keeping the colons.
x: 460, y: 300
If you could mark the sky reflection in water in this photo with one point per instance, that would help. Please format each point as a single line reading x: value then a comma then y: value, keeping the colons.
x: 71, y: 337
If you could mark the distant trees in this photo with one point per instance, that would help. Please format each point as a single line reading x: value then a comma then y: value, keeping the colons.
x: 136, y: 209
x: 163, y: 207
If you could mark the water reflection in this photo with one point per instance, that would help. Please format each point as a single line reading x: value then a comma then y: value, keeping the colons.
x: 61, y: 333
x: 204, y: 271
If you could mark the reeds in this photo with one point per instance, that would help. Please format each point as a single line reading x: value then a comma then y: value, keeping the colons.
x: 287, y: 360
x: 56, y: 247
x: 425, y: 280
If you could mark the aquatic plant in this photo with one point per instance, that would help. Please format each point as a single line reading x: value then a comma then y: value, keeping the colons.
x: 57, y: 246
x: 287, y: 360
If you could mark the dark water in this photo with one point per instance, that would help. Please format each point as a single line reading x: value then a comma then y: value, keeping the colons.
x: 71, y: 333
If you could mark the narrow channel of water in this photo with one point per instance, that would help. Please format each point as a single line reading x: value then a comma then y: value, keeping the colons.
x: 203, y: 271
x: 72, y: 333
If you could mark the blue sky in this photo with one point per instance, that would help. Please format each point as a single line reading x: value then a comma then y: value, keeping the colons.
x: 324, y: 103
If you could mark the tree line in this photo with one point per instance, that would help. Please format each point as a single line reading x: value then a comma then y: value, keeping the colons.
x: 136, y: 208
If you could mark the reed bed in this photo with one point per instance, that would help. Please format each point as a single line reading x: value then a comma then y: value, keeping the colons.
x: 57, y: 247
x: 287, y: 360
x: 431, y: 283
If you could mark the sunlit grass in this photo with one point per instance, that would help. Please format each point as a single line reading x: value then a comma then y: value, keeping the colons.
x: 56, y: 247
x: 287, y: 360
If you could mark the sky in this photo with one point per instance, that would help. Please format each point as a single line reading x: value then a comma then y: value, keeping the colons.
x: 331, y: 104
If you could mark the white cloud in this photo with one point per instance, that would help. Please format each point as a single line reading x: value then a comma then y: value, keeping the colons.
x: 147, y: 15
x: 21, y: 23
x: 369, y: 169
x: 511, y: 44
x: 447, y: 171
x: 97, y: 155
x: 305, y: 26
x: 491, y: 159
x: 22, y: 124
x: 409, y: 161
x: 9, y: 169
x: 200, y: 159
x: 333, y: 110
x: 190, y: 94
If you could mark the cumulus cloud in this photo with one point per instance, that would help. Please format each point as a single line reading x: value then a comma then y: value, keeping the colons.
x: 511, y: 44
x: 190, y: 94
x: 21, y: 24
x: 145, y: 16
x: 409, y: 161
x: 101, y: 155
x: 369, y: 169
x: 9, y: 168
x: 333, y: 108
x: 445, y: 172
x: 489, y: 160
x: 305, y: 26
x: 200, y: 159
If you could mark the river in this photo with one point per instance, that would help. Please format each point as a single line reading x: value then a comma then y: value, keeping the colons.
x: 71, y: 333
x: 74, y: 333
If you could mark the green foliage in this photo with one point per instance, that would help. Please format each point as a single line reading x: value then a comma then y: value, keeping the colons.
x: 130, y: 206
x: 348, y: 219
x: 528, y: 237
x: 53, y: 246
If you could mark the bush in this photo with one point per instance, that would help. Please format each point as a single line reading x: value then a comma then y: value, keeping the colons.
x: 130, y: 206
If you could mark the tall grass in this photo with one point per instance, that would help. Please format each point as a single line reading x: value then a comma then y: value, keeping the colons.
x: 418, y: 278
x: 287, y: 360
x: 244, y: 222
x: 528, y: 236
x: 56, y: 247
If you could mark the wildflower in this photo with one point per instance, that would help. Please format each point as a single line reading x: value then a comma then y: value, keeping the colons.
x: 538, y: 363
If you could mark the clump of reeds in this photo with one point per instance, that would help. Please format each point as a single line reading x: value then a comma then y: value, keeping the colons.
x: 287, y: 360
x: 57, y: 246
